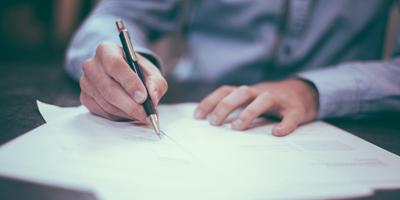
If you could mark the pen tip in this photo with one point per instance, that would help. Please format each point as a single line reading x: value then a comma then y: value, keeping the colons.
x: 154, y: 122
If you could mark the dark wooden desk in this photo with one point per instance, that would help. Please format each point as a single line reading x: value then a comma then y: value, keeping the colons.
x: 22, y: 84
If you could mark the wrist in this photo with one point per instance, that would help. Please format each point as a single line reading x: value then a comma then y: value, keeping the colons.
x: 311, y: 93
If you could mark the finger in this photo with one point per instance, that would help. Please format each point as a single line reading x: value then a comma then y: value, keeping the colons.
x: 260, y: 105
x: 92, y: 105
x: 209, y: 102
x: 112, y: 59
x: 111, y: 91
x: 288, y: 124
x: 147, y: 67
x: 89, y: 89
x: 240, y: 96
x: 156, y: 85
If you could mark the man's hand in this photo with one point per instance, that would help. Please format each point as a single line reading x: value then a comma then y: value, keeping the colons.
x: 110, y: 88
x: 294, y: 101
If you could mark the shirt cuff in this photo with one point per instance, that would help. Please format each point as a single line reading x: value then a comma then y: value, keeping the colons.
x: 337, y: 91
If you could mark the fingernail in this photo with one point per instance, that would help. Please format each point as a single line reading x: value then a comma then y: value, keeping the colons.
x: 197, y: 114
x: 139, y: 96
x: 213, y: 119
x: 277, y: 130
x: 237, y: 123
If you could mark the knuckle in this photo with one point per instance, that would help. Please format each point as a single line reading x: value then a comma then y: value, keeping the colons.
x: 109, y: 108
x: 225, y: 105
x: 87, y: 65
x: 114, y: 110
x: 82, y: 81
x: 250, y: 112
x: 265, y: 96
x: 224, y: 88
x: 113, y: 63
x: 160, y: 80
x: 244, y: 87
x: 129, y: 82
x: 101, y: 48
x: 108, y: 93
x: 131, y: 112
x: 244, y: 90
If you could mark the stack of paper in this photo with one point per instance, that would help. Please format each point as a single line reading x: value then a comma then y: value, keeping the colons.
x: 117, y: 160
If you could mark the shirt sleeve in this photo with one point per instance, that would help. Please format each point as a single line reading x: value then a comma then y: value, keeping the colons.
x: 357, y: 89
x: 146, y: 21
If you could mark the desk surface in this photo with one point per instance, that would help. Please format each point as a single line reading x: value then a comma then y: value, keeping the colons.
x: 22, y: 84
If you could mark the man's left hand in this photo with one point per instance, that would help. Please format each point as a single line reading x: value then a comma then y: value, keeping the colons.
x: 295, y: 101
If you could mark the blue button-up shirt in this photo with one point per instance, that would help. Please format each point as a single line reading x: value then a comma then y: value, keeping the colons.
x: 335, y: 44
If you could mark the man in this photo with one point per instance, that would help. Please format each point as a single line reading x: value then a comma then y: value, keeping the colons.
x: 296, y: 60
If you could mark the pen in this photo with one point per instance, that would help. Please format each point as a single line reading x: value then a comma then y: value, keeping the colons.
x: 132, y: 61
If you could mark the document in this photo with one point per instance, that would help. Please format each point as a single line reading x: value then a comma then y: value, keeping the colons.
x: 119, y: 160
x: 51, y: 112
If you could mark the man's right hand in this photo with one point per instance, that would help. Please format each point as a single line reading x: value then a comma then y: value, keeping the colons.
x: 110, y: 88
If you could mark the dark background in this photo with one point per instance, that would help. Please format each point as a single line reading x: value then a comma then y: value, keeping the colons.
x: 37, y: 31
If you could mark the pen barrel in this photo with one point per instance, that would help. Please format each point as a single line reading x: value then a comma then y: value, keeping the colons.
x: 148, y: 104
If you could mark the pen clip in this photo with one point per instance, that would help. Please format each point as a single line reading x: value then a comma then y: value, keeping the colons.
x: 131, y: 51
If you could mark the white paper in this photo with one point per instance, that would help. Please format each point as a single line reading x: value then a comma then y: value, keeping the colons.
x: 123, y: 161
x: 115, y: 160
x: 51, y: 112
x: 316, y: 153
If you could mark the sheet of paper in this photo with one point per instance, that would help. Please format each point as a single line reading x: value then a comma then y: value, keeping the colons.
x: 124, y: 161
x: 51, y: 112
x: 316, y: 153
x: 82, y: 150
